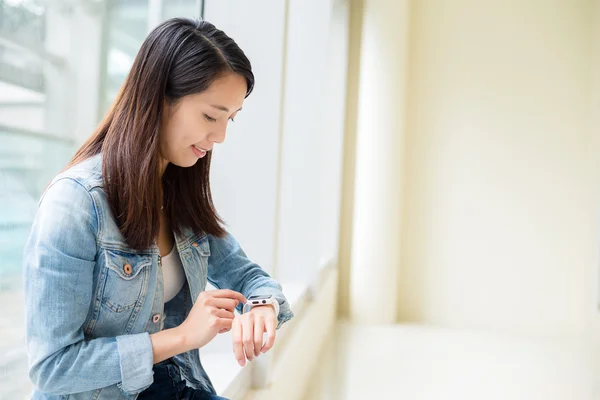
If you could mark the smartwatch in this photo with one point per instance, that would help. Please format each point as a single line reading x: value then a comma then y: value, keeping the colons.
x: 261, y: 300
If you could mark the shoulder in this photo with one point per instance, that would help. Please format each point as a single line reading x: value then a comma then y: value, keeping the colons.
x: 75, y: 187
x: 68, y: 207
x: 87, y: 174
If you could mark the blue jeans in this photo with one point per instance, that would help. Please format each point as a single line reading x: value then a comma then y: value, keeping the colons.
x: 168, y: 385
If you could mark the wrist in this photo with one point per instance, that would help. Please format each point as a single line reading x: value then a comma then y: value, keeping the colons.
x: 180, y: 336
x: 270, y: 306
x: 260, y: 302
x: 168, y: 343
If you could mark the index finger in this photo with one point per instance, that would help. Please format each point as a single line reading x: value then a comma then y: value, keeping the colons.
x: 238, y: 348
x: 229, y: 294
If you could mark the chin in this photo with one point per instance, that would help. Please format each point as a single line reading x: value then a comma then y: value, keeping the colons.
x: 189, y: 163
x: 185, y: 162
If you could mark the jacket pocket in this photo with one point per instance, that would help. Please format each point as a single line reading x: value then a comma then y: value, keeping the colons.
x: 126, y: 279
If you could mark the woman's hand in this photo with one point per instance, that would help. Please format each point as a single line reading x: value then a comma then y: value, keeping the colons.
x: 248, y: 330
x: 212, y: 313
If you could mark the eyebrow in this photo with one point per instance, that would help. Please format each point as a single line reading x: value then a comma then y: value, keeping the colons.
x: 222, y: 108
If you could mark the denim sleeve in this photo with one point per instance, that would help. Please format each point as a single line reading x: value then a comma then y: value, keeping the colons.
x: 58, y: 274
x: 229, y: 267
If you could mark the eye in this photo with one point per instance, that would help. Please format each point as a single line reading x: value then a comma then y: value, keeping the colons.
x: 209, y: 119
x: 231, y: 119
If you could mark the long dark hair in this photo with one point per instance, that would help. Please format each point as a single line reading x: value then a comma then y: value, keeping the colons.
x: 180, y: 57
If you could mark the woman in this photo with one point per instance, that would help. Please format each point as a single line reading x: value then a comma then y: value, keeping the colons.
x: 126, y: 237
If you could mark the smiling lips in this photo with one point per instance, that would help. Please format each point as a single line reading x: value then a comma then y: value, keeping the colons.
x: 199, y: 151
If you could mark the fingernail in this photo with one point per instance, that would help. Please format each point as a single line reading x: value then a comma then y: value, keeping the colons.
x: 241, y: 362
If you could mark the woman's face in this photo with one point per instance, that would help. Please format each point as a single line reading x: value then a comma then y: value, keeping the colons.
x: 193, y: 125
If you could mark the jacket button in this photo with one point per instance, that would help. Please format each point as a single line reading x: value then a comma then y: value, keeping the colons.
x: 156, y: 318
x: 127, y: 269
x: 195, y: 244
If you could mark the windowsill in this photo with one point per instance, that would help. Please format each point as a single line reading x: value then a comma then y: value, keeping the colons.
x: 223, y: 370
x: 218, y: 359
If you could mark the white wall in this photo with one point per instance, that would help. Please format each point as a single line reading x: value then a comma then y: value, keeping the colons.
x: 331, y: 143
x: 312, y: 137
x: 244, y: 170
x: 380, y: 138
x: 276, y: 180
x: 355, y: 19
x: 499, y: 198
x: 593, y: 277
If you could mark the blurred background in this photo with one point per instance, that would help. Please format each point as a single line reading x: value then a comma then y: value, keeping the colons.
x: 422, y: 176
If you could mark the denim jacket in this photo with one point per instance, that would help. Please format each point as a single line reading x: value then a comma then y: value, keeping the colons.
x: 92, y: 302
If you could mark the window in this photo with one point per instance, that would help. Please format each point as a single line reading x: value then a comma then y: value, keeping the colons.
x: 61, y: 65
x: 32, y: 150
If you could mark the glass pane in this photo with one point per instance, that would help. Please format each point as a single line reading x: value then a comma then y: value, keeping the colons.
x: 27, y: 164
x: 44, y: 101
x: 127, y: 25
x: 29, y: 157
x: 181, y: 8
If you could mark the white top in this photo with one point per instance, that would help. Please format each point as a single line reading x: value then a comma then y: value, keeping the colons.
x: 173, y: 274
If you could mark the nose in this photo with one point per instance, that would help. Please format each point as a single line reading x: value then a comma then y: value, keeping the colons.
x: 218, y: 135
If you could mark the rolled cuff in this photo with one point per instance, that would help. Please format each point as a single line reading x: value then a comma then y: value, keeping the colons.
x: 136, y: 361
